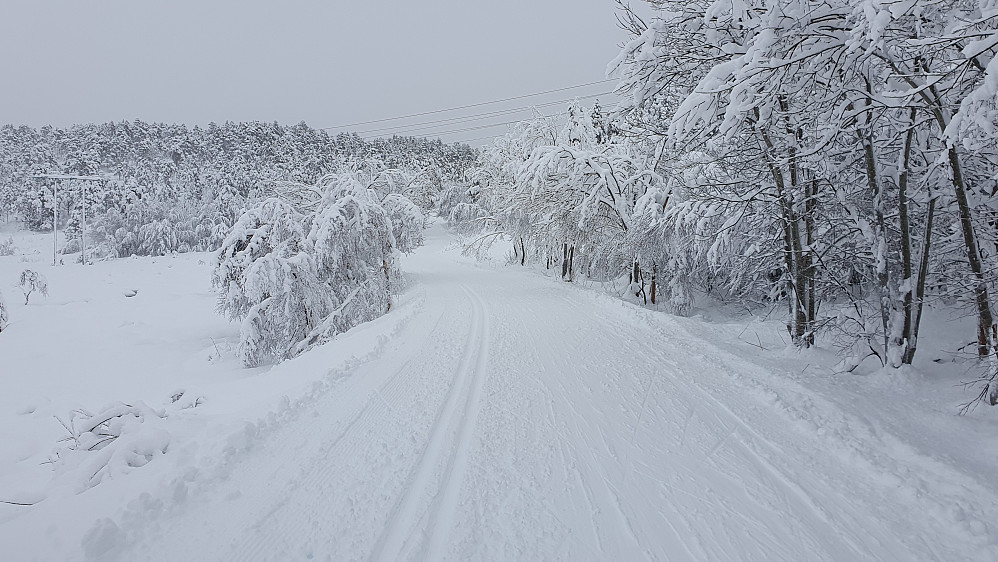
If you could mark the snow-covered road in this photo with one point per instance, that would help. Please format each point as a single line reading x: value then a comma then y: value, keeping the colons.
x: 518, y: 418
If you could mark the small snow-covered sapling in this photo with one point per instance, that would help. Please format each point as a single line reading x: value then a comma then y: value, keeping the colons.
x: 4, y: 318
x: 7, y: 247
x: 32, y: 281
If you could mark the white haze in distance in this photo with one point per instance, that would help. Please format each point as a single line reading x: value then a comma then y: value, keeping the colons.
x: 327, y: 63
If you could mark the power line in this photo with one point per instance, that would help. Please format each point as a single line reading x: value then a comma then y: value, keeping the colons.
x: 476, y: 139
x: 469, y: 106
x: 468, y: 129
x: 476, y: 117
x: 480, y: 127
x: 413, y: 127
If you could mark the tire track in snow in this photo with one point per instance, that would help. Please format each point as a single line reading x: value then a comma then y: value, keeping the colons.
x: 442, y: 520
x: 403, y: 526
x: 316, y: 480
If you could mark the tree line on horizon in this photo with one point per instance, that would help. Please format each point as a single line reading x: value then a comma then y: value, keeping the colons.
x: 173, y: 188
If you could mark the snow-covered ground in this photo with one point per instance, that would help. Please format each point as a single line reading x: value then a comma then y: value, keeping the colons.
x: 494, y: 414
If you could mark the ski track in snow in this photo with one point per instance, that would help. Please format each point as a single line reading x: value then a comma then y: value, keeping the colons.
x: 453, y: 419
x: 519, y: 418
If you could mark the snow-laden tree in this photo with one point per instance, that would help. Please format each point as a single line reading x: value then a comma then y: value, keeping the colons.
x: 939, y: 56
x: 799, y: 84
x: 582, y: 194
x: 298, y: 269
x: 846, y: 146
x: 561, y: 194
x: 407, y: 221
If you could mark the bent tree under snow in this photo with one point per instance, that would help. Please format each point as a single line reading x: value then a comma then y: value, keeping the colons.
x: 298, y: 269
x: 32, y: 281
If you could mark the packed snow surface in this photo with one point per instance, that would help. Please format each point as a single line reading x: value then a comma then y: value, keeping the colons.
x: 493, y: 414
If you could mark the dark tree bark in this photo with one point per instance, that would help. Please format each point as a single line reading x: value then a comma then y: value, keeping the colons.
x: 793, y: 247
x: 564, y: 261
x: 654, y: 281
x: 908, y: 328
x: 571, y: 262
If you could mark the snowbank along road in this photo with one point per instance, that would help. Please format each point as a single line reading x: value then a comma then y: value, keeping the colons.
x: 519, y: 418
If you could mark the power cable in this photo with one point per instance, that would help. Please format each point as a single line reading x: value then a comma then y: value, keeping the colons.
x: 413, y: 127
x: 480, y: 127
x: 469, y: 106
x: 477, y: 128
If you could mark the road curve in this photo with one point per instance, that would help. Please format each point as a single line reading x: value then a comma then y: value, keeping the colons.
x: 519, y: 418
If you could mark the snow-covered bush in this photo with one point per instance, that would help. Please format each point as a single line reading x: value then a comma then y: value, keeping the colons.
x: 32, y: 281
x: 296, y: 273
x: 468, y: 217
x: 265, y: 280
x: 4, y: 317
x: 156, y: 229
x: 7, y: 247
x: 114, y: 440
x: 407, y: 222
x: 452, y: 195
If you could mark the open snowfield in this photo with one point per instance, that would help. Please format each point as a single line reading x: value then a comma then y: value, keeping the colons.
x: 494, y: 414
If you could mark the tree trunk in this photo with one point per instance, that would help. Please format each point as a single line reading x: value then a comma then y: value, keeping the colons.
x: 923, y: 272
x: 654, y: 275
x: 907, y: 328
x: 639, y: 279
x: 388, y: 284
x: 803, y: 267
x: 985, y: 319
x: 810, y: 204
x: 880, y: 251
x: 571, y: 262
x: 793, y: 253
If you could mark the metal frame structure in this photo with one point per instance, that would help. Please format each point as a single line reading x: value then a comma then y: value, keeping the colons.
x: 55, y: 211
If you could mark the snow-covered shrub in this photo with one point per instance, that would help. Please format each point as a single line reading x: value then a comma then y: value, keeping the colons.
x: 7, y: 247
x: 116, y: 439
x: 4, y: 317
x: 267, y: 281
x: 407, y: 222
x: 32, y: 281
x: 156, y: 229
x: 35, y: 207
x: 297, y: 273
x: 452, y: 195
x: 467, y: 217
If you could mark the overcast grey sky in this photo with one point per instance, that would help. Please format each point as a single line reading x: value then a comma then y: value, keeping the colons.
x: 324, y: 62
